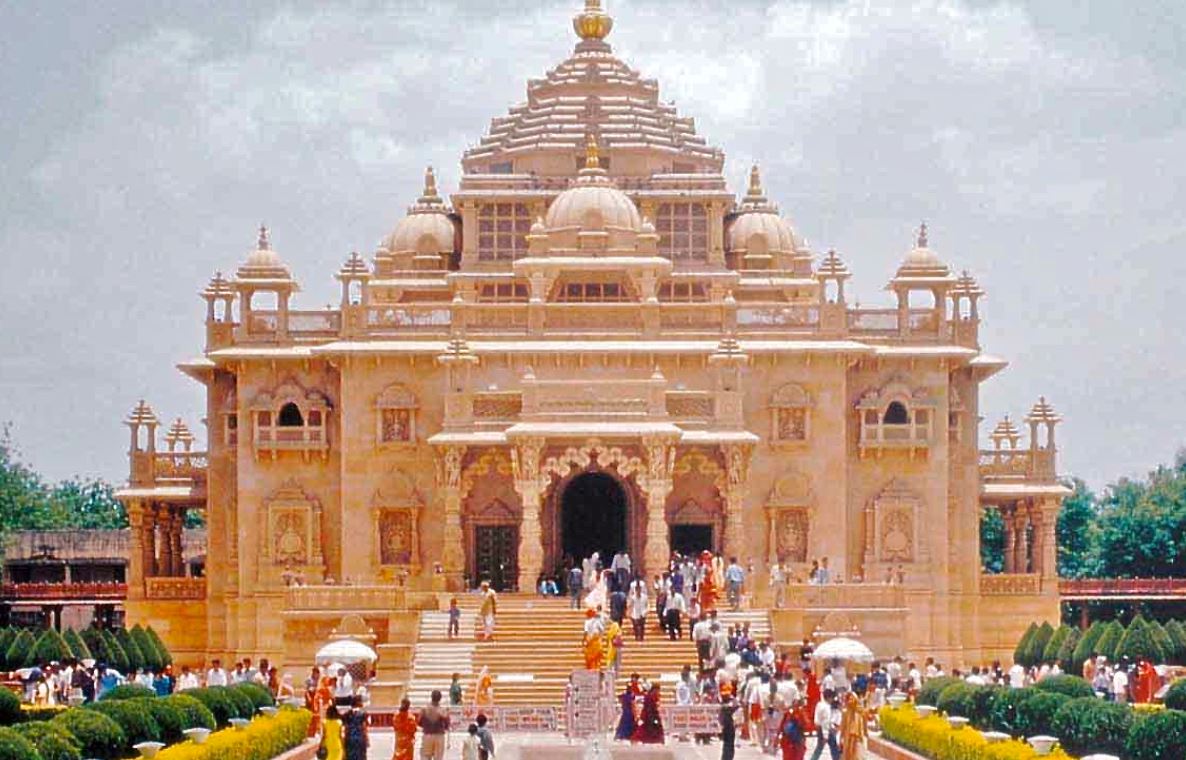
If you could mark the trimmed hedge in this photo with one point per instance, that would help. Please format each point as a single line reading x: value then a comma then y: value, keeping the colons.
x: 930, y: 691
x: 13, y: 746
x: 1035, y: 715
x: 935, y: 739
x: 128, y: 691
x: 167, y: 717
x: 1089, y: 725
x: 1140, y: 643
x: 264, y: 739
x: 98, y: 735
x: 259, y: 696
x: 10, y: 708
x: 956, y: 699
x: 1003, y: 708
x: 50, y: 647
x: 1086, y: 646
x: 244, y: 705
x: 218, y: 702
x: 1175, y: 698
x: 1023, y: 644
x: 78, y: 647
x: 1072, y: 686
x: 20, y: 651
x: 133, y: 717
x: 193, y: 713
x: 51, y: 741
x: 1158, y: 736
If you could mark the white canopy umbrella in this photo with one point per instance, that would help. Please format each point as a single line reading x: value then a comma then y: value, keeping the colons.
x: 345, y: 652
x: 843, y: 648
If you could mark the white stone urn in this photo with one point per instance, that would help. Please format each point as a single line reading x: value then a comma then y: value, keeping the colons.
x: 994, y: 737
x: 239, y: 724
x: 926, y: 710
x: 957, y: 721
x: 896, y: 700
x: 1100, y: 757
x: 268, y: 711
x: 148, y: 749
x: 196, y: 735
x: 1042, y: 744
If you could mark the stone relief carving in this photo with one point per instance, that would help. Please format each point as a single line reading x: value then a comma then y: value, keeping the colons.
x: 792, y: 535
x: 292, y: 527
x: 585, y: 457
x: 397, y: 537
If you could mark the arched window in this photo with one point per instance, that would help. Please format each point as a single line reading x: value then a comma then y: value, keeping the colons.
x: 290, y: 416
x: 895, y: 414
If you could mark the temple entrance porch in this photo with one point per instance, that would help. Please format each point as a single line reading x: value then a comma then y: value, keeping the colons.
x: 593, y: 517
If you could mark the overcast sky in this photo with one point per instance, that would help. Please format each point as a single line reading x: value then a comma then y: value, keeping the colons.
x: 1044, y: 142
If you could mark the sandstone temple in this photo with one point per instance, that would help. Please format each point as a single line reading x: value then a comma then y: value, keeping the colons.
x: 590, y: 344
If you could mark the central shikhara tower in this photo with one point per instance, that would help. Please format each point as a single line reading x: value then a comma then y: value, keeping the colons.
x: 593, y: 344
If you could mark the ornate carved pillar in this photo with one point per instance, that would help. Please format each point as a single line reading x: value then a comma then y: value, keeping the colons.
x: 176, y: 536
x: 1010, y: 538
x: 660, y: 462
x: 525, y: 465
x: 449, y: 483
x: 1045, y: 540
x: 1021, y: 560
x: 737, y: 458
x: 148, y: 534
x: 136, y: 554
x: 164, y: 521
x: 771, y: 536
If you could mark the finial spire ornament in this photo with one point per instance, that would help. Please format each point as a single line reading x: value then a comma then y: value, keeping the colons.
x: 430, y: 194
x: 755, y: 181
x: 922, y: 235
x: 263, y: 244
x: 593, y: 24
x: 592, y: 153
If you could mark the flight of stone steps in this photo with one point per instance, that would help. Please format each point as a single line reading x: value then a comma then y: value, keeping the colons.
x: 537, y: 645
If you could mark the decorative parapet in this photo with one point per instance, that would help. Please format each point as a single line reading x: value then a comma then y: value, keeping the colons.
x: 1011, y: 584
x: 847, y: 595
x: 63, y: 591
x: 175, y: 588
x: 344, y: 599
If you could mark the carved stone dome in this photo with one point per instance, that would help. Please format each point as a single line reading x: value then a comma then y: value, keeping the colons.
x: 593, y: 202
x: 759, y: 224
x: 428, y: 228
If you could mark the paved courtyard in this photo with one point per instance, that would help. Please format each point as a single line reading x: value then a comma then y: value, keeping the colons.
x: 511, y: 746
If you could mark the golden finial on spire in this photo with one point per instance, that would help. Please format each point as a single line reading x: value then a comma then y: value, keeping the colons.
x: 430, y: 182
x: 755, y: 181
x: 593, y: 24
x: 263, y: 243
x: 922, y: 235
x: 592, y: 153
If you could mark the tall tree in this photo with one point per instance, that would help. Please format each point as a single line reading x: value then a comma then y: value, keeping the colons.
x: 1077, y: 533
x: 992, y: 541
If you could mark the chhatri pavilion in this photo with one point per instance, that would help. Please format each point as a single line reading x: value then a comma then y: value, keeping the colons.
x: 591, y: 344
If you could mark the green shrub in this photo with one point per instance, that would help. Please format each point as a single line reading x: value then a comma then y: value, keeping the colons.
x: 7, y: 634
x: 1065, y: 656
x: 13, y: 746
x: 20, y: 651
x: 115, y: 655
x: 1037, y: 645
x: 1088, y: 725
x: 52, y: 741
x: 128, y: 691
x: 1036, y: 714
x: 981, y: 708
x: 10, y: 708
x: 1173, y: 628
x: 30, y: 714
x: 133, y: 717
x: 78, y: 647
x: 148, y: 650
x: 167, y: 717
x: 162, y: 650
x: 1023, y: 645
x: 50, y: 647
x: 1085, y: 647
x: 1139, y: 643
x: 259, y: 696
x: 1110, y: 639
x: 1072, y: 686
x: 244, y: 706
x: 1162, y: 637
x: 217, y: 701
x: 1003, y: 707
x: 956, y: 699
x: 930, y: 691
x: 1050, y: 651
x: 1158, y: 736
x: 1175, y: 698
x: 98, y: 735
x: 194, y: 714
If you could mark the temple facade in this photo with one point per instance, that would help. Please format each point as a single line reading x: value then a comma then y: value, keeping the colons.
x: 592, y: 344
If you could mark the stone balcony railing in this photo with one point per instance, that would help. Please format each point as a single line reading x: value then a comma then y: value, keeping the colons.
x: 1010, y: 584
x: 846, y: 595
x: 1017, y: 464
x: 1122, y: 587
x: 50, y: 592
x: 343, y: 599
x: 167, y: 588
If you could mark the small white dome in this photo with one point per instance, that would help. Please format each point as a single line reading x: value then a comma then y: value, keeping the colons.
x: 427, y: 229
x: 593, y: 202
x: 921, y: 260
x: 769, y: 227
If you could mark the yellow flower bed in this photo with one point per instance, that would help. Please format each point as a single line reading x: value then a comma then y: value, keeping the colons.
x: 934, y: 737
x: 264, y: 739
x: 1148, y: 707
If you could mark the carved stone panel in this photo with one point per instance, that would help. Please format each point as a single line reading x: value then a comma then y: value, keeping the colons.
x: 397, y: 537
x: 792, y: 535
x: 291, y: 534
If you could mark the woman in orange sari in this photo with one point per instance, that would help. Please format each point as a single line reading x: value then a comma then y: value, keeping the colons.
x: 317, y: 699
x: 853, y: 729
x: 404, y: 724
x: 594, y: 641
x: 484, y: 691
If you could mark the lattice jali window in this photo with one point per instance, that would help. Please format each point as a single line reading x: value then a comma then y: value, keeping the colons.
x: 502, y: 231
x: 683, y: 231
x: 790, y: 409
x: 396, y: 416
x: 683, y: 292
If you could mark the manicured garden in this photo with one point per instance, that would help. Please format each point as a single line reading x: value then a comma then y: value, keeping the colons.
x: 124, y: 650
x: 224, y: 723
x: 1066, y: 645
x: 1062, y: 707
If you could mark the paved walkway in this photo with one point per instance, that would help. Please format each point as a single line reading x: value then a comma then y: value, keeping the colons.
x: 510, y: 745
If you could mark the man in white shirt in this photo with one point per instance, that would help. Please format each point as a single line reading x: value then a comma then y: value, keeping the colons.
x: 188, y: 679
x: 344, y: 691
x: 975, y: 678
x: 720, y: 642
x: 778, y: 585
x: 915, y: 676
x: 636, y: 610
x: 1017, y: 676
x: 672, y: 613
x: 1120, y: 686
x: 826, y: 723
x: 216, y: 676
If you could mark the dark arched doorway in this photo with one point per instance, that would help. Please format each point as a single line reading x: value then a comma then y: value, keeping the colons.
x: 593, y: 517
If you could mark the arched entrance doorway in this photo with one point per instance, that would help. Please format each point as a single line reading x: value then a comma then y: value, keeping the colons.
x: 593, y: 511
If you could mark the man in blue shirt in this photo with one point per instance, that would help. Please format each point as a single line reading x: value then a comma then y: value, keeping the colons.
x: 734, y: 577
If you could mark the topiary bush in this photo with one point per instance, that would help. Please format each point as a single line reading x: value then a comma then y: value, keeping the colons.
x: 78, y: 647
x: 1073, y: 686
x: 7, y: 634
x: 162, y: 650
x: 114, y: 654
x: 217, y: 701
x: 52, y: 741
x: 956, y: 699
x: 1089, y: 725
x: 1023, y: 644
x: 1037, y: 645
x: 1157, y: 736
x: 167, y: 717
x: 1175, y: 698
x: 1066, y: 653
x: 20, y: 651
x: 13, y: 746
x: 98, y: 735
x: 1109, y: 639
x: 1173, y: 628
x: 981, y: 709
x: 148, y: 650
x: 193, y: 713
x: 1003, y: 708
x: 930, y: 691
x: 128, y: 691
x: 259, y: 696
x: 134, y: 717
x: 1050, y: 651
x: 1035, y: 715
x: 10, y: 708
x: 1140, y: 643
x: 1085, y: 647
x: 244, y: 706
x: 50, y: 647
